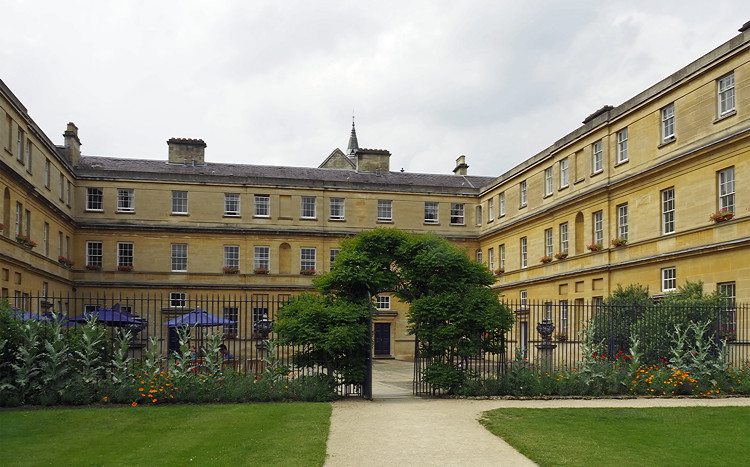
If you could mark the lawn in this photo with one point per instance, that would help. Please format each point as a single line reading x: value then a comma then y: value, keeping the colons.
x: 241, y: 434
x: 622, y: 437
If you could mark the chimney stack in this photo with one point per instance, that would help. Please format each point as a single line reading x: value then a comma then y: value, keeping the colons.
x: 187, y: 151
x: 461, y: 166
x: 72, y: 146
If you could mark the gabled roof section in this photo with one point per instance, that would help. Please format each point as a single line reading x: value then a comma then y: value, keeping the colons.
x: 337, y: 160
x: 109, y: 168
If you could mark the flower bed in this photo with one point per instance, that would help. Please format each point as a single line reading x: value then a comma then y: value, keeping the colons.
x: 595, y: 247
x: 93, y: 267
x: 546, y: 259
x: 68, y: 263
x: 261, y: 271
x: 561, y: 255
x: 307, y: 272
x: 125, y: 267
x: 499, y: 271
x: 230, y: 270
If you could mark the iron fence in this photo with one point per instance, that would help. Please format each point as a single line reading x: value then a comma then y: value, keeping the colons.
x: 245, y: 322
x: 555, y: 334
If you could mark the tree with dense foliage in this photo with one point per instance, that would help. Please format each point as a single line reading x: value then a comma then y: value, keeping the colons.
x: 452, y: 309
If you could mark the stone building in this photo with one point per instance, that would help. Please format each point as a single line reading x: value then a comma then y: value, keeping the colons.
x: 624, y: 198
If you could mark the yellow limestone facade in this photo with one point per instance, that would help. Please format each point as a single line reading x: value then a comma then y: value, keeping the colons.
x: 650, y: 171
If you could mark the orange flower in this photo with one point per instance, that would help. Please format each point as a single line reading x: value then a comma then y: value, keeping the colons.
x: 134, y: 404
x: 106, y: 399
x: 140, y: 389
x: 153, y: 400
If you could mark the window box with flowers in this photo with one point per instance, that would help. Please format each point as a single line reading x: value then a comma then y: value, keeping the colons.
x: 546, y: 259
x: 125, y: 267
x: 619, y: 242
x: 93, y: 267
x: 595, y: 247
x: 499, y: 271
x: 561, y: 255
x: 729, y: 335
x: 65, y: 262
x: 561, y: 336
x: 307, y: 272
x: 25, y: 241
x: 261, y: 271
x: 230, y: 270
x: 721, y: 216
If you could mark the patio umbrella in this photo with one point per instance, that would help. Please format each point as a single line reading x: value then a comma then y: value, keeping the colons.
x: 197, y: 318
x: 112, y: 316
x: 62, y: 320
x: 25, y: 315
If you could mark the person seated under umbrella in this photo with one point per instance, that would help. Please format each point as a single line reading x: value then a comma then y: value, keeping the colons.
x: 225, y: 353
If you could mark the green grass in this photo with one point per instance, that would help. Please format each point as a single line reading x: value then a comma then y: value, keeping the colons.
x: 242, y: 434
x: 623, y: 437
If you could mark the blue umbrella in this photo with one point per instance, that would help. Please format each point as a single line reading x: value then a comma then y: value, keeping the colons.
x: 25, y: 315
x: 62, y: 320
x: 197, y: 318
x: 112, y: 316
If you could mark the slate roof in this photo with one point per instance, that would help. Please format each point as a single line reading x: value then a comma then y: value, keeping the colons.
x: 98, y: 167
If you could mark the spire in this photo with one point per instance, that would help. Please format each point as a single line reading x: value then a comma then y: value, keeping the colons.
x: 353, y: 144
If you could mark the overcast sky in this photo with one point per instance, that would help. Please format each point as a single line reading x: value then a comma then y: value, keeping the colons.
x: 276, y: 82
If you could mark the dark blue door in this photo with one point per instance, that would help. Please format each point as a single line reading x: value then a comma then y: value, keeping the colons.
x: 382, y: 338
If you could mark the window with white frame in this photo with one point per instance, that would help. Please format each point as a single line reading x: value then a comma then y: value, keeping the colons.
x: 19, y: 218
x: 27, y: 222
x: 491, y: 259
x: 668, y: 279
x: 94, y: 198
x: 232, y: 256
x: 622, y: 221
x: 262, y: 206
x: 524, y: 253
x: 19, y: 145
x: 479, y: 215
x: 29, y: 148
x: 336, y: 209
x: 479, y: 256
x: 47, y: 174
x: 232, y: 204
x: 262, y: 258
x: 598, y: 225
x: 62, y: 187
x: 308, y: 208
x: 523, y: 297
x: 124, y: 254
x: 45, y: 239
x: 548, y: 310
x: 728, y: 318
x: 332, y: 255
x: 667, y: 210
x: 125, y: 200
x: 491, y: 210
x: 431, y: 213
x: 94, y: 253
x: 622, y: 145
x: 179, y: 202
x: 548, y: 242
x: 564, y: 237
x: 382, y: 302
x: 564, y: 173
x: 726, y: 189
x: 177, y: 299
x: 231, y: 313
x: 179, y: 257
x: 502, y: 256
x: 502, y: 204
x: 67, y: 246
x: 564, y: 316
x: 457, y: 214
x: 597, y: 159
x: 60, y: 244
x: 667, y: 123
x: 522, y: 194
x: 548, y: 181
x: 68, y: 191
x: 385, y: 210
x: 725, y: 87
x: 307, y: 259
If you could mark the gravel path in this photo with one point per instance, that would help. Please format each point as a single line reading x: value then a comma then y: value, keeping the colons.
x: 399, y: 429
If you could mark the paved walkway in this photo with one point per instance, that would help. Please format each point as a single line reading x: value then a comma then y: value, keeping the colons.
x: 397, y: 428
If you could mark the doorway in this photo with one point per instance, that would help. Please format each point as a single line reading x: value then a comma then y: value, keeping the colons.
x: 382, y: 339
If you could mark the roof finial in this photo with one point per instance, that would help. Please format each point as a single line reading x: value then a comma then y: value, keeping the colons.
x: 353, y: 144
